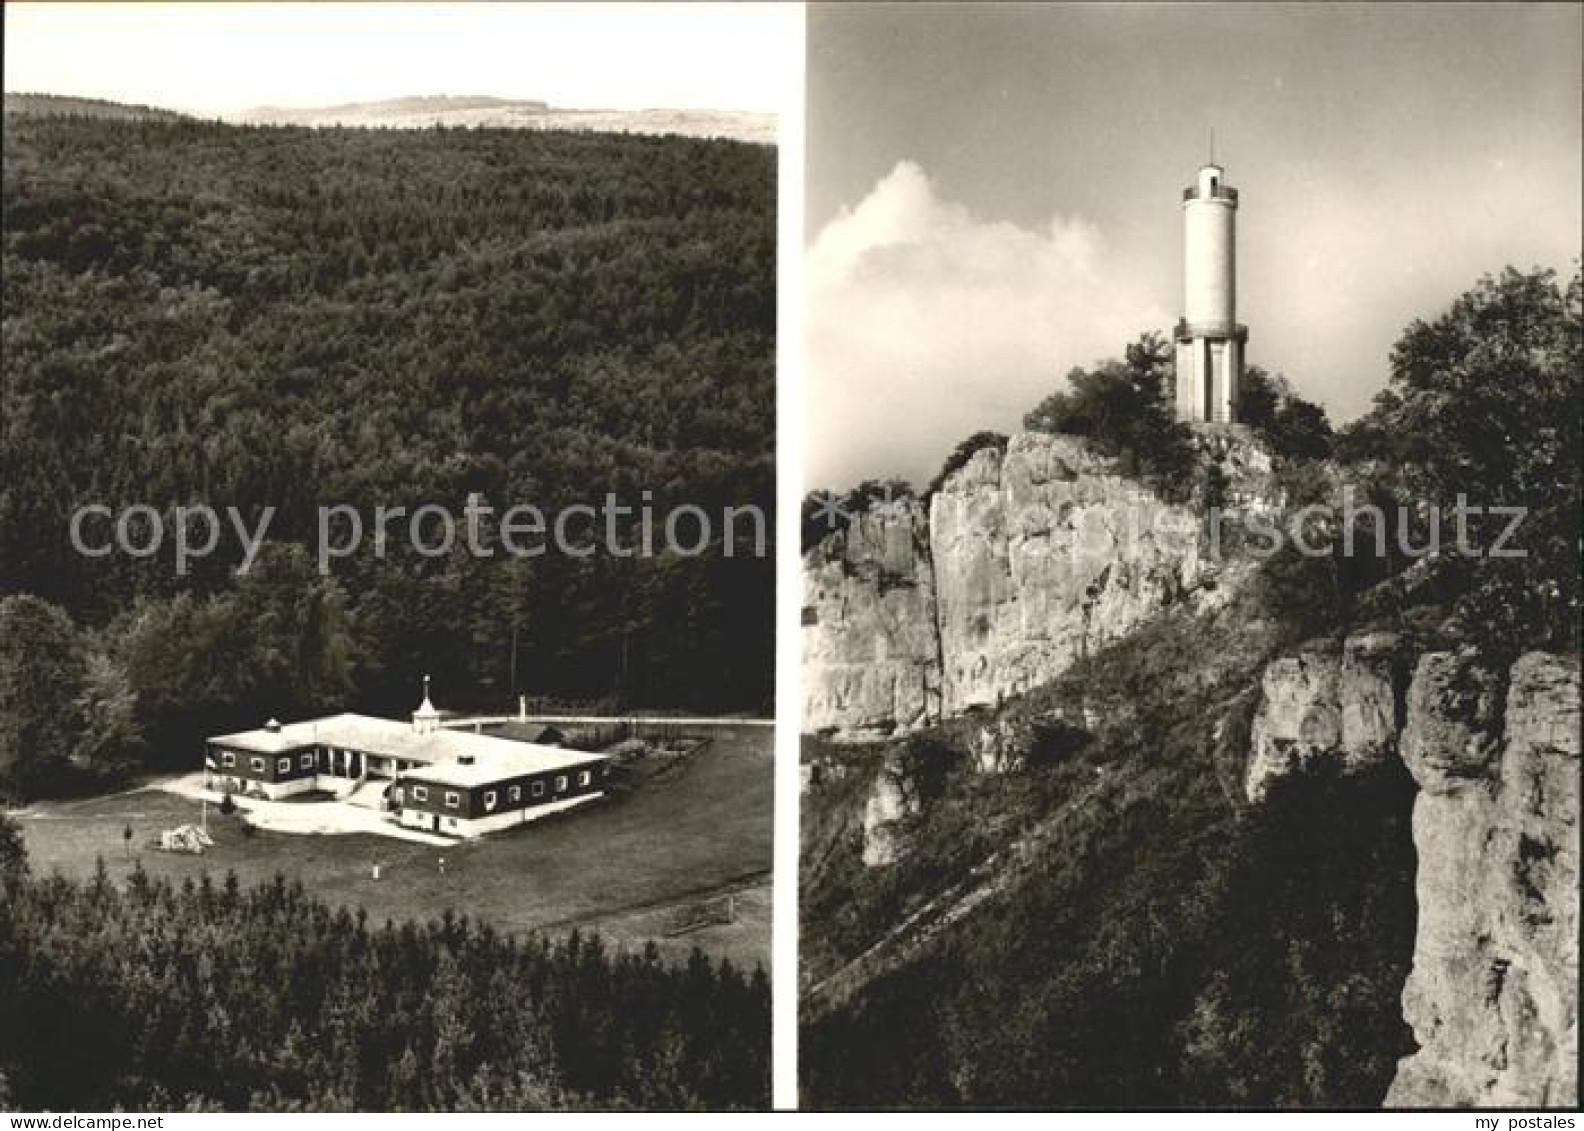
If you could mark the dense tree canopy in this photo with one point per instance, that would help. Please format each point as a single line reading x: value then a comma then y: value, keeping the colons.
x: 209, y: 996
x: 42, y: 668
x: 1293, y: 426
x: 1126, y: 407
x: 197, y: 313
x: 1485, y: 403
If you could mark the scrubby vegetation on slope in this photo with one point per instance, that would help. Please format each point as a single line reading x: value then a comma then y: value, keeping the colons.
x: 1129, y: 931
x: 1150, y: 940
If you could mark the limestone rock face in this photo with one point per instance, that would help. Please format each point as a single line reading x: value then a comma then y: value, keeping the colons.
x: 1373, y: 678
x: 871, y: 662
x: 1042, y: 553
x: 819, y: 771
x: 1493, y: 995
x: 1326, y: 705
x: 1453, y: 721
x: 998, y: 746
x: 1298, y: 721
x: 889, y: 803
x: 1028, y: 558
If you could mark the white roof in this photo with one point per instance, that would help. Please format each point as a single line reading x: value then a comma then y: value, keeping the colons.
x: 520, y: 760
x: 438, y: 750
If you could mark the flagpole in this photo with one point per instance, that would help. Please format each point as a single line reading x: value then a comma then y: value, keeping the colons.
x: 210, y: 769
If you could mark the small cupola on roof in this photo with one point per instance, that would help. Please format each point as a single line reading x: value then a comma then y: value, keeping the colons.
x: 273, y: 726
x: 426, y: 720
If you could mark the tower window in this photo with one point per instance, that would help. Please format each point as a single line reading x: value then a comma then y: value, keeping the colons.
x: 1214, y: 184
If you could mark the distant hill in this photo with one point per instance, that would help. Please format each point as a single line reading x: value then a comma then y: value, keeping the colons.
x: 422, y: 111
x: 64, y: 105
x: 422, y: 106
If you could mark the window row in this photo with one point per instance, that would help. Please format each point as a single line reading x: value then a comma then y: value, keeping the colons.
x: 453, y: 800
x: 282, y: 765
x: 514, y: 794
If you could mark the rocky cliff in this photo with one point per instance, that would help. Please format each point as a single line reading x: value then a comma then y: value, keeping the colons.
x: 890, y: 802
x: 1493, y: 994
x: 1027, y: 559
x: 1337, y: 704
x: 871, y: 652
x: 1042, y: 553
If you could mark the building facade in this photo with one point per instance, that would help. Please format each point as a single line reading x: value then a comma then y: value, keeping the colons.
x: 1210, y: 341
x: 455, y: 782
x: 469, y: 798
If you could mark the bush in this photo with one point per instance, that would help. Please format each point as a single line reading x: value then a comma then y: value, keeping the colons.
x: 1124, y: 408
x: 1292, y: 426
x: 964, y: 452
x: 1484, y: 403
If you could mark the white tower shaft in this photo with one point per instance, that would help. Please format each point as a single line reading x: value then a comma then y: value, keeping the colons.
x: 1209, y: 339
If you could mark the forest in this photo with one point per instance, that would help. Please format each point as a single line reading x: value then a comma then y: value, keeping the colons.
x: 1148, y: 935
x: 212, y: 997
x: 251, y: 317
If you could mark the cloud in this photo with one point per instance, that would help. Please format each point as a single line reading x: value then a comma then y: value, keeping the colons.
x: 927, y: 323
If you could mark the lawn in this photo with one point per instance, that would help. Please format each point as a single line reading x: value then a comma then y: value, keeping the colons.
x: 620, y: 866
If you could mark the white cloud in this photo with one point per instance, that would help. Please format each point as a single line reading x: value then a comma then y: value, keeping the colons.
x: 927, y: 323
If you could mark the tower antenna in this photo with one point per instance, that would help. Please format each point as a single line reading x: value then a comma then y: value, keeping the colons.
x: 1212, y: 145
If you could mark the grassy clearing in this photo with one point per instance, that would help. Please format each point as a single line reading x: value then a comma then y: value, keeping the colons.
x: 701, y: 826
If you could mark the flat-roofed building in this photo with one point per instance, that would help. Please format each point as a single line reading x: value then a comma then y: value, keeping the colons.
x: 481, y: 791
x: 455, y: 782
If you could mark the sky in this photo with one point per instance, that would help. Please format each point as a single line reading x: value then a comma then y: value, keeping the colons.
x: 994, y: 196
x: 223, y: 58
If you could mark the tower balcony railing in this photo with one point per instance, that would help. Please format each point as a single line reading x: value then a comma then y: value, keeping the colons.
x: 1220, y: 192
x: 1186, y: 329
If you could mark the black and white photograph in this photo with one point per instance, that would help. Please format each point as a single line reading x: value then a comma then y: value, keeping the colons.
x: 659, y: 557
x: 1190, y: 613
x: 387, y: 519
